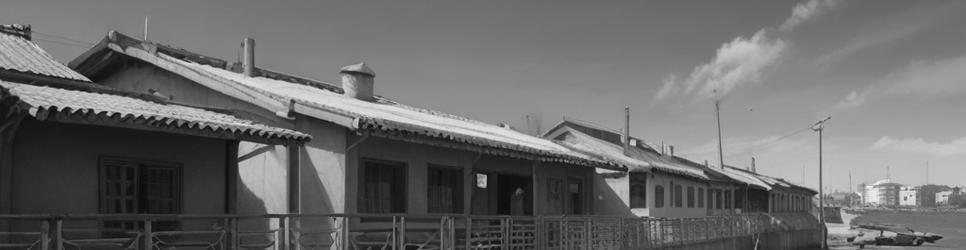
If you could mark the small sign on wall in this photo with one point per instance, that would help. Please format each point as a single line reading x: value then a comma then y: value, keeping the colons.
x: 481, y: 180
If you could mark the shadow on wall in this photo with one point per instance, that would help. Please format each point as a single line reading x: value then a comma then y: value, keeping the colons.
x: 607, y: 201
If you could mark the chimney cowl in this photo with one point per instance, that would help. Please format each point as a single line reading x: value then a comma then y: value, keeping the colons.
x: 358, y: 81
x: 359, y: 68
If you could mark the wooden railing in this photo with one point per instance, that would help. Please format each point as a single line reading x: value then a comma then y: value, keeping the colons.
x: 378, y: 231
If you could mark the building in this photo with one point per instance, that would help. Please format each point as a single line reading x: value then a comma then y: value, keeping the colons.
x: 695, y: 190
x: 655, y: 186
x: 909, y: 196
x: 372, y: 155
x: 884, y: 193
x: 71, y: 147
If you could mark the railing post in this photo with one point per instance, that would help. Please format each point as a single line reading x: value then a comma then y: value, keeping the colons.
x: 282, y: 237
x: 148, y: 235
x: 58, y: 234
x: 587, y: 233
x: 469, y: 231
x: 346, y: 238
x: 45, y: 235
x: 235, y: 239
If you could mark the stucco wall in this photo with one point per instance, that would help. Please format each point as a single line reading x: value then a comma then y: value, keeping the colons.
x: 322, y: 164
x: 55, y: 165
x: 669, y: 210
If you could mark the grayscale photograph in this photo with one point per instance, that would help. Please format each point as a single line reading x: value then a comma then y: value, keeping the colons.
x: 492, y: 125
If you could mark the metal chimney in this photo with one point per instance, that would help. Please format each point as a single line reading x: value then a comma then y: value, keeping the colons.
x: 248, y: 57
x: 627, y: 131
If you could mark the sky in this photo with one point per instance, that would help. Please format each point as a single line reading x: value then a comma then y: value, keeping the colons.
x: 891, y: 74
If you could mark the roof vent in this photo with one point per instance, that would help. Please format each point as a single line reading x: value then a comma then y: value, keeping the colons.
x: 357, y: 81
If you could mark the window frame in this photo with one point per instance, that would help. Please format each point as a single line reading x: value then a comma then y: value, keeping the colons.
x: 637, y: 199
x: 361, y: 191
x: 690, y: 196
x: 658, y: 196
x: 458, y: 195
x: 701, y: 197
x: 678, y: 193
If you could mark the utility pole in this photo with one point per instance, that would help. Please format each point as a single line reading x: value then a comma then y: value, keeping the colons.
x: 927, y: 172
x: 717, y: 112
x: 819, y: 127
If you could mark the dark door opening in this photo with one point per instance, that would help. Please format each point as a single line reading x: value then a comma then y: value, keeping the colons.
x: 575, y: 195
x: 514, y: 195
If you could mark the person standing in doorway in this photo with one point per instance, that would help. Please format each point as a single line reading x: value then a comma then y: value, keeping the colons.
x: 516, y: 202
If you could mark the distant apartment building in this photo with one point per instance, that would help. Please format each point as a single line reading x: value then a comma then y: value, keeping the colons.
x: 909, y: 196
x: 954, y: 197
x: 884, y: 192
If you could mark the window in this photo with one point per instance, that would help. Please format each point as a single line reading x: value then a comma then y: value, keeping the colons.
x: 727, y: 199
x: 700, y: 197
x: 678, y: 196
x: 658, y: 196
x: 383, y: 187
x: 690, y: 196
x: 717, y: 199
x: 138, y: 187
x: 555, y: 195
x: 638, y: 190
x: 445, y: 189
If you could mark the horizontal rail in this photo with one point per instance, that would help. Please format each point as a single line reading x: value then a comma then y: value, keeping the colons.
x: 383, y: 231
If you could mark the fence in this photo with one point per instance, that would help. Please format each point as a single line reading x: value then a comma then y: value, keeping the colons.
x: 370, y: 231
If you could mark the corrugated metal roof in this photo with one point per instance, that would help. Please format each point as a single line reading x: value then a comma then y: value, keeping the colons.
x: 641, y: 160
x: 388, y: 116
x: 20, y: 54
x: 42, y: 102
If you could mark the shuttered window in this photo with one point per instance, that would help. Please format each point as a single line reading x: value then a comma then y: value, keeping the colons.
x: 383, y: 187
x: 690, y: 196
x: 658, y: 196
x: 129, y: 186
x: 700, y: 197
x: 638, y: 190
x: 677, y: 196
x: 445, y: 189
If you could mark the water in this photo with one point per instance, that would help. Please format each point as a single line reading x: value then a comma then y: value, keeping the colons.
x: 951, y: 225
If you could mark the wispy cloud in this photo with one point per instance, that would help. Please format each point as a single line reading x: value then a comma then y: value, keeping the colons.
x: 742, y: 61
x: 736, y: 63
x: 853, y: 99
x: 919, y: 145
x: 747, y: 145
x: 806, y: 11
x: 943, y: 77
x: 892, y: 28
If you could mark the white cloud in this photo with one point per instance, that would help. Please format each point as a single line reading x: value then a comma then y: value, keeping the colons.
x: 944, y: 77
x: 918, y: 145
x: 853, y: 99
x: 736, y: 63
x: 806, y: 11
x: 740, y: 61
x: 667, y: 89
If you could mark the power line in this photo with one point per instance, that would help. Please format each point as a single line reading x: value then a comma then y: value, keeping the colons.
x: 62, y: 38
x: 62, y: 43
